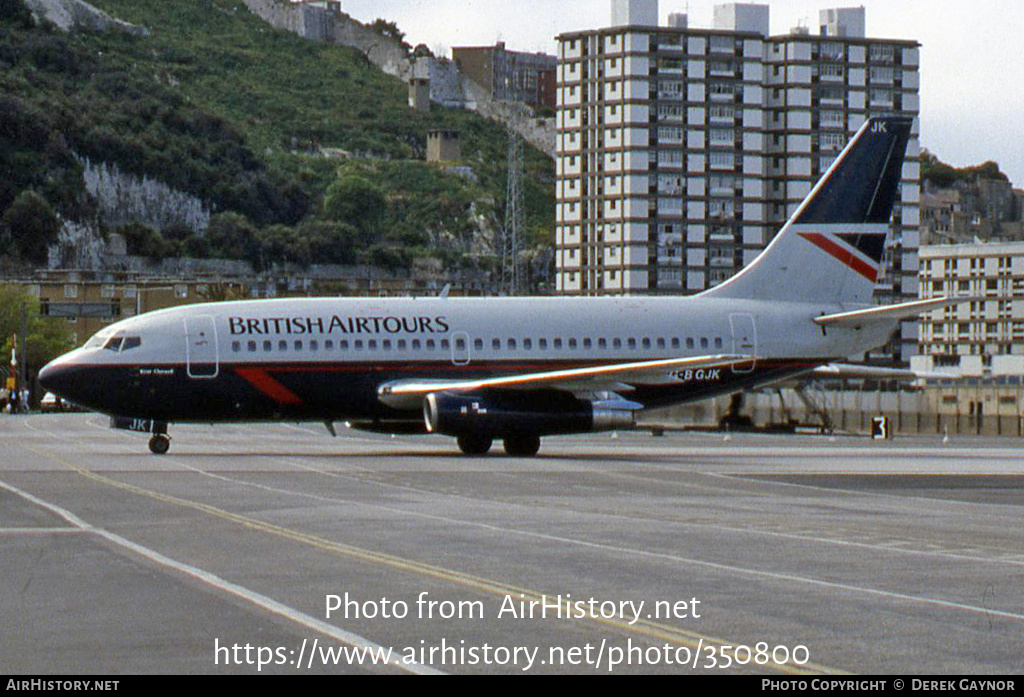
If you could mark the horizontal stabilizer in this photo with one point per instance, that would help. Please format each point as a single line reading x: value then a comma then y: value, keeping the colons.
x: 885, y: 313
x: 846, y: 370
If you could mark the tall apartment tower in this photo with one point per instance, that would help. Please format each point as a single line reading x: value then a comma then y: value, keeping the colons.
x: 682, y: 151
x: 819, y: 90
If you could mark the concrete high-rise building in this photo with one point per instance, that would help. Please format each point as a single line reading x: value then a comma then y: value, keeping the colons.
x: 682, y: 151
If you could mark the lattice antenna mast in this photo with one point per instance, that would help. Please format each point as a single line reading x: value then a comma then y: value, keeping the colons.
x: 511, y: 277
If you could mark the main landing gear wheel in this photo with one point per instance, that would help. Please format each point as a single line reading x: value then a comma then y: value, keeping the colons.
x: 159, y: 444
x: 474, y: 445
x: 523, y: 445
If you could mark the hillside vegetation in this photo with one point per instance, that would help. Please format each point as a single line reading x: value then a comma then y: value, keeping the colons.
x: 216, y: 104
x: 942, y: 175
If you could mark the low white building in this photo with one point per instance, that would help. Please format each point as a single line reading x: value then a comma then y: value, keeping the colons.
x: 984, y: 337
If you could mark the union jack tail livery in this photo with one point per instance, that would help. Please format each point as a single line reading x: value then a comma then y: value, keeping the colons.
x: 831, y: 249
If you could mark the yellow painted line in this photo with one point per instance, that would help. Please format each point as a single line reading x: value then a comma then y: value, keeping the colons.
x: 643, y: 627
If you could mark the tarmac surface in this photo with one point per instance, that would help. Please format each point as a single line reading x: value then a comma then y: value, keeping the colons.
x: 277, y: 549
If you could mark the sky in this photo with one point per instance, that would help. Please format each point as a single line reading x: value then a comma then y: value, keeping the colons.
x: 972, y: 54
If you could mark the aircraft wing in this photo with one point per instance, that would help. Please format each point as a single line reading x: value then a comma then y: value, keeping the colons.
x: 886, y: 313
x: 406, y: 394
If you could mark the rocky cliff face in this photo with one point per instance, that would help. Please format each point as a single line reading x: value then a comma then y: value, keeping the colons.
x: 69, y: 15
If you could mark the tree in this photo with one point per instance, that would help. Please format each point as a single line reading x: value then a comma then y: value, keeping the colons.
x: 390, y: 30
x: 232, y: 236
x: 32, y: 226
x: 330, y: 242
x: 47, y: 338
x: 144, y: 241
x: 357, y: 201
x: 15, y: 11
x: 279, y: 243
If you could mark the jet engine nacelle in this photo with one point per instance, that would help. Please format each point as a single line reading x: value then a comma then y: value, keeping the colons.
x: 498, y: 415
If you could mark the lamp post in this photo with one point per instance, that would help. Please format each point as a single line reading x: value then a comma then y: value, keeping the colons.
x: 23, y: 375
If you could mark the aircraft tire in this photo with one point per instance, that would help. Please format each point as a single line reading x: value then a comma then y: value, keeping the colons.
x: 159, y: 444
x: 522, y: 445
x: 474, y: 445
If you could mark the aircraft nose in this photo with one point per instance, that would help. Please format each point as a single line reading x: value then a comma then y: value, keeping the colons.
x: 49, y: 376
x: 60, y: 377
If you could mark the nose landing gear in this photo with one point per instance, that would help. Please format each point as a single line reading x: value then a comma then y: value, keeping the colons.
x: 159, y: 444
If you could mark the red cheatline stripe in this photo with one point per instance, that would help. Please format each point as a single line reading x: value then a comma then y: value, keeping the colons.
x: 261, y: 380
x: 843, y: 255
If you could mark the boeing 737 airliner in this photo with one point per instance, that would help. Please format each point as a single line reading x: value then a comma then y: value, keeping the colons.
x: 516, y: 369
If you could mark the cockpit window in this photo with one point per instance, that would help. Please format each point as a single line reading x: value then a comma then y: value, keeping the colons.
x: 122, y: 343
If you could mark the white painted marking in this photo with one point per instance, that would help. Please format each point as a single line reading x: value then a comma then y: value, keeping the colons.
x: 215, y: 581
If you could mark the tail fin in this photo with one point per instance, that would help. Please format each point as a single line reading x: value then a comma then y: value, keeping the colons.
x: 831, y: 249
